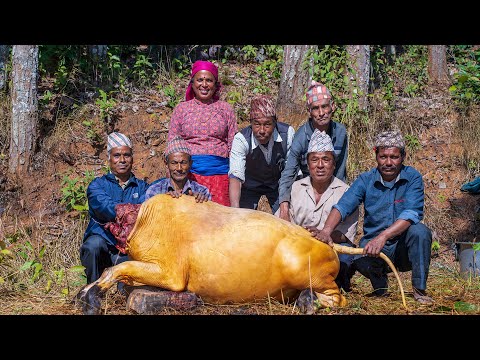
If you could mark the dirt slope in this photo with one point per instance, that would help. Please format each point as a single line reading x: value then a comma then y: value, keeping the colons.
x: 145, y: 119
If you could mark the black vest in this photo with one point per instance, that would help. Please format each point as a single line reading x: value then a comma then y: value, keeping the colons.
x: 258, y: 174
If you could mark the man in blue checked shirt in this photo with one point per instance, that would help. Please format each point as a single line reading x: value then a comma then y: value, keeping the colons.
x: 179, y: 161
x: 393, y: 199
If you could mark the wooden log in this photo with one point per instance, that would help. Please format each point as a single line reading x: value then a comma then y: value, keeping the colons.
x: 149, y: 300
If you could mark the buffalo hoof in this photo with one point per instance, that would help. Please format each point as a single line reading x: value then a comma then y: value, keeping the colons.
x: 92, y: 304
x: 306, y: 302
x: 89, y: 300
x: 79, y: 299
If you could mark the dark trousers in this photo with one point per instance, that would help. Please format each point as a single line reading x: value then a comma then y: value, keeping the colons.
x: 343, y: 278
x: 249, y: 199
x: 409, y: 251
x: 96, y: 255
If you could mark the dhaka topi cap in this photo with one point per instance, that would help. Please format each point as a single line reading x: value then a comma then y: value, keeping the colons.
x: 177, y: 144
x: 319, y: 142
x: 317, y: 91
x: 203, y: 65
x: 262, y: 106
x: 389, y: 139
x: 116, y: 139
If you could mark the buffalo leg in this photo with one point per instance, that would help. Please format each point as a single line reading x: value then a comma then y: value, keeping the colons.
x: 132, y: 273
x: 306, y: 301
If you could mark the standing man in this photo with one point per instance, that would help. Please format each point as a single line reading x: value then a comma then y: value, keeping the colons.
x: 178, y: 158
x: 321, y: 107
x: 119, y: 186
x: 258, y: 156
x: 313, y: 197
x: 393, y: 199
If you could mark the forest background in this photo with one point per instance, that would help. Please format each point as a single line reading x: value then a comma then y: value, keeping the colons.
x: 58, y: 102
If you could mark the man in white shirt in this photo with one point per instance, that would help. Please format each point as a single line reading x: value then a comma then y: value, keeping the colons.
x: 313, y: 197
x: 258, y: 156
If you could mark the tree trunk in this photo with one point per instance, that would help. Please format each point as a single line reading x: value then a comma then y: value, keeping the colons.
x: 98, y: 54
x: 24, y: 108
x: 3, y: 65
x: 360, y: 61
x: 391, y: 53
x: 291, y: 105
x: 437, y: 66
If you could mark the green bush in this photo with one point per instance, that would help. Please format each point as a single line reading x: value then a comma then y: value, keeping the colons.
x: 74, y: 192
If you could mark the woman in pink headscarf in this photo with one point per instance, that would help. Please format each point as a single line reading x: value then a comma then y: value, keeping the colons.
x: 208, y: 125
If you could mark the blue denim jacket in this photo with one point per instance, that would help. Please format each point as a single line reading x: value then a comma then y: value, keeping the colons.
x: 383, y: 205
x: 297, y: 158
x: 103, y: 194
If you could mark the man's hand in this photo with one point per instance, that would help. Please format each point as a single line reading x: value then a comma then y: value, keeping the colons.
x: 175, y: 193
x: 199, y: 197
x: 374, y: 246
x: 321, y: 235
x: 284, y: 214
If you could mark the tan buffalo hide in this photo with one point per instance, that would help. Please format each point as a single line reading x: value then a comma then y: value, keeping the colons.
x: 226, y: 255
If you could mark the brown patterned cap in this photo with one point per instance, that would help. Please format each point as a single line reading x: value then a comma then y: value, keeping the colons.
x: 262, y: 106
x: 177, y: 144
x: 389, y: 138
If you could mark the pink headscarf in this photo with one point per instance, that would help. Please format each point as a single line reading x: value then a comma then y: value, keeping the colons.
x: 203, y: 65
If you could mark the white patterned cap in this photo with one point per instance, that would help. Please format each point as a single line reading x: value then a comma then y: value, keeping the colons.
x: 320, y: 141
x: 117, y: 139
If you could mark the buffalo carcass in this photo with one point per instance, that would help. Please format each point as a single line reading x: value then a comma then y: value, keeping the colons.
x: 223, y: 255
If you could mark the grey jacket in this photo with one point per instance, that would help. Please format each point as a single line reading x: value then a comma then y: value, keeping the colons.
x: 297, y: 158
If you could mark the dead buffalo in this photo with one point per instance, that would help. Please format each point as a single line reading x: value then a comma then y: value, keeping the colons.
x: 223, y: 255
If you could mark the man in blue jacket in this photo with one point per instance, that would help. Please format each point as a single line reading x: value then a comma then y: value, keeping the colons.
x: 119, y: 186
x: 321, y: 107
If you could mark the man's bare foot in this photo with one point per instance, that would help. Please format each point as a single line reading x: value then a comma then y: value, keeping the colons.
x: 422, y: 297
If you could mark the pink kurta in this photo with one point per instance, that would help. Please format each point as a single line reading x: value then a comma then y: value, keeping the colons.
x: 208, y: 128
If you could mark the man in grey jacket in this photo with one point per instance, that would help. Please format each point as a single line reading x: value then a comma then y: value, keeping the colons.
x: 321, y: 107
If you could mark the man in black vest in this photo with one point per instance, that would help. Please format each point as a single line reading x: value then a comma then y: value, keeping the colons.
x: 258, y: 156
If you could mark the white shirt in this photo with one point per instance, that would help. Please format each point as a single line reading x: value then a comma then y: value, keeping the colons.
x: 239, y: 152
x: 304, y: 211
